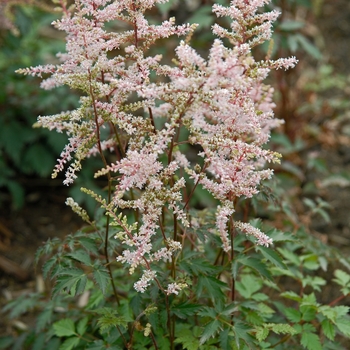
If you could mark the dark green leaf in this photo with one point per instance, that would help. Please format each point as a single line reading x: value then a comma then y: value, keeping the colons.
x: 70, y: 343
x: 210, y: 330
x: 89, y: 244
x: 43, y: 319
x: 38, y: 158
x: 21, y: 305
x: 5, y: 342
x: 242, y: 332
x: 272, y: 256
x: 101, y: 277
x: 39, y: 342
x: 213, y: 286
x: 256, y: 264
x: 225, y: 339
x: 81, y: 256
x: 72, y: 281
x: 48, y: 265
x: 185, y: 309
x: 198, y: 265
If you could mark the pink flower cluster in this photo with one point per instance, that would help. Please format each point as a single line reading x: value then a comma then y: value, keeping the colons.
x: 221, y: 103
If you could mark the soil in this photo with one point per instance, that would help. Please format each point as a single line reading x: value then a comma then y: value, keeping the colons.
x: 44, y: 216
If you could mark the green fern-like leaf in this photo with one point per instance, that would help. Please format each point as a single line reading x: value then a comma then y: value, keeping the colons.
x: 210, y: 330
x: 72, y: 281
x: 279, y: 328
x: 81, y: 256
x: 49, y: 264
x: 261, y: 333
x: 101, y: 277
x: 109, y: 319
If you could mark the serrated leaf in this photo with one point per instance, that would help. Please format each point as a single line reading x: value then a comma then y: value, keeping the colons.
x: 213, y: 286
x: 242, y: 331
x: 64, y: 328
x: 95, y: 299
x: 273, y: 256
x: 187, y: 339
x: 310, y: 341
x: 49, y: 265
x: 109, y: 319
x: 308, y: 313
x: 342, y: 278
x: 248, y: 285
x: 101, y: 277
x: 89, y: 244
x: 197, y: 266
x: 73, y: 281
x: 225, y: 339
x: 185, y: 309
x: 292, y: 296
x: 343, y: 325
x: 290, y: 256
x: 255, y: 264
x: 283, y: 328
x: 81, y: 256
x: 43, y: 319
x: 69, y: 343
x: 328, y: 312
x: 82, y: 326
x: 261, y: 333
x: 328, y: 329
x: 21, y: 305
x: 98, y: 345
x: 210, y: 330
x: 292, y: 315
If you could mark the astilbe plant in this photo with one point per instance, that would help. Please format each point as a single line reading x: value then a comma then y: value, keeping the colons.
x: 163, y: 132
